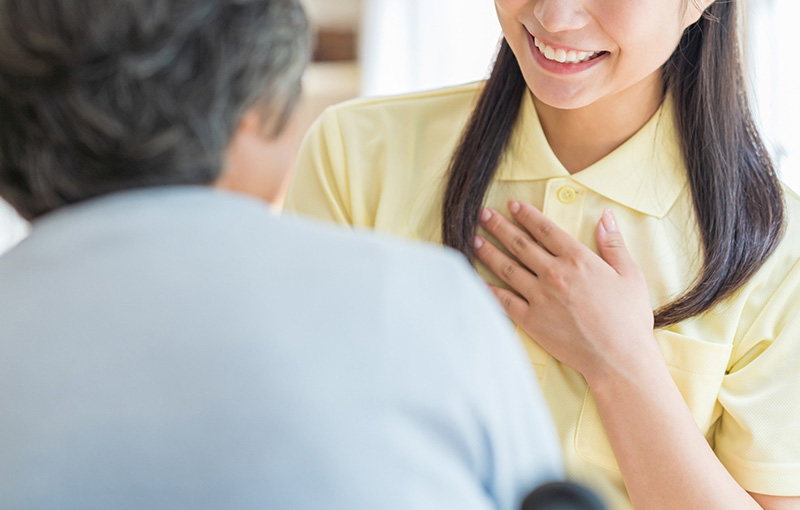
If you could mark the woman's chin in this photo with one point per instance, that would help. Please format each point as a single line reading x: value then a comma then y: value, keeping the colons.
x: 560, y: 94
x: 562, y: 99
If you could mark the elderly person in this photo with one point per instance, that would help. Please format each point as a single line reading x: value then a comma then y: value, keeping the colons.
x: 166, y: 344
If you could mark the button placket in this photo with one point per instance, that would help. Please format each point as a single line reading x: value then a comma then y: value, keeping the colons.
x: 564, y: 203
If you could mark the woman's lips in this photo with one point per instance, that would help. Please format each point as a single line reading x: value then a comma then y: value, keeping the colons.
x: 563, y: 60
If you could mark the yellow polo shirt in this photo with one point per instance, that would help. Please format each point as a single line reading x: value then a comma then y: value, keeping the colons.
x: 381, y: 163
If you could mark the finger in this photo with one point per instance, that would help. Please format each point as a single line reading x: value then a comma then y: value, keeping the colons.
x: 542, y: 228
x: 508, y: 270
x: 516, y: 240
x: 611, y: 244
x: 515, y: 306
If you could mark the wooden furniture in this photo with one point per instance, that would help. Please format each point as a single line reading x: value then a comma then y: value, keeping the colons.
x: 335, y: 45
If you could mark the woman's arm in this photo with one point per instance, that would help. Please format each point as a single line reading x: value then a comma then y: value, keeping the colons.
x: 776, y: 502
x: 664, y: 459
x: 594, y: 315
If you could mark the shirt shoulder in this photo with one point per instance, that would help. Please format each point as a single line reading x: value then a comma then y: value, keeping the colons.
x: 768, y: 302
x: 792, y: 201
x: 295, y: 313
x: 414, y: 275
x: 400, y: 132
x: 366, y: 159
x: 780, y: 266
x: 418, y: 106
x: 761, y: 385
x: 783, y: 263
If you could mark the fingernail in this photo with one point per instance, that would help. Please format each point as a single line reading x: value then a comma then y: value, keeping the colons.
x: 486, y: 215
x: 610, y: 221
x: 478, y: 243
x: 514, y: 207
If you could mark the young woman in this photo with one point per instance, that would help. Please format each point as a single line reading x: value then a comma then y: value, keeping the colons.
x: 604, y: 117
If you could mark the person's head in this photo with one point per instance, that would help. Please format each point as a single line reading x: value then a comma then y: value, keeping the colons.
x: 99, y: 96
x: 686, y: 48
x: 573, y: 53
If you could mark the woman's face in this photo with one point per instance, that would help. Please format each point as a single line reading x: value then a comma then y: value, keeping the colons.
x: 574, y: 53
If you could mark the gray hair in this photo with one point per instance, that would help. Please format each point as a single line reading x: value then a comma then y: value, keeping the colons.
x: 98, y: 96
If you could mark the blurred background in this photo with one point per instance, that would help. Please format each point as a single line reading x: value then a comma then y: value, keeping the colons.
x: 385, y: 47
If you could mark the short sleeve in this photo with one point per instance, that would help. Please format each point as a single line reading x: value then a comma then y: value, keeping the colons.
x: 758, y: 435
x: 319, y: 184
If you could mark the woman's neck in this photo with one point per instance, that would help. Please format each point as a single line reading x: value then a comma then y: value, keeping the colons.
x: 581, y: 137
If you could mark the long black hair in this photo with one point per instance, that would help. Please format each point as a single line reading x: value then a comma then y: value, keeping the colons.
x: 737, y: 196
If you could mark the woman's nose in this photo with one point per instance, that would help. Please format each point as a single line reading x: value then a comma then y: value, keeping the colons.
x: 561, y: 15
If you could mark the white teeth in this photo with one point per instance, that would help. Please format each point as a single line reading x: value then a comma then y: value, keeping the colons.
x: 561, y: 55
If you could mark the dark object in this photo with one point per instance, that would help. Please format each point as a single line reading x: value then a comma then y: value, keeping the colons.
x: 562, y: 496
x: 335, y: 46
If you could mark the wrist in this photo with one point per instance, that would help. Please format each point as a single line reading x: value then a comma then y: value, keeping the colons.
x: 633, y: 366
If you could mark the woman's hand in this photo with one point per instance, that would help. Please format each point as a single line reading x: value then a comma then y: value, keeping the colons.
x: 592, y: 314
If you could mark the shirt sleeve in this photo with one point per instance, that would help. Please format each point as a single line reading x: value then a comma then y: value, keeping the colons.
x: 319, y: 184
x: 758, y: 435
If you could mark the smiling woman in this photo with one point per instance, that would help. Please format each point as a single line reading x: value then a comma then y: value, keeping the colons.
x: 667, y: 362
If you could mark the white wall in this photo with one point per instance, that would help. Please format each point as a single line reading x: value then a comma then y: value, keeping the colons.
x: 771, y: 55
x: 411, y: 45
x: 12, y: 227
x: 340, y: 14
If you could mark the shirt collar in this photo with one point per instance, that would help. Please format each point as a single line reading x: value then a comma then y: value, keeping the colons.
x: 646, y: 173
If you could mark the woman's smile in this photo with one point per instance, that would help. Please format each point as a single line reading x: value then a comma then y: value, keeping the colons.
x: 563, y: 60
x: 574, y: 54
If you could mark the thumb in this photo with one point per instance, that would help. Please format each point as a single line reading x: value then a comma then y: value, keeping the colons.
x: 611, y: 244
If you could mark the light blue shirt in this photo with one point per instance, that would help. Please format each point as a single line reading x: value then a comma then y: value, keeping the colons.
x: 183, y: 348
